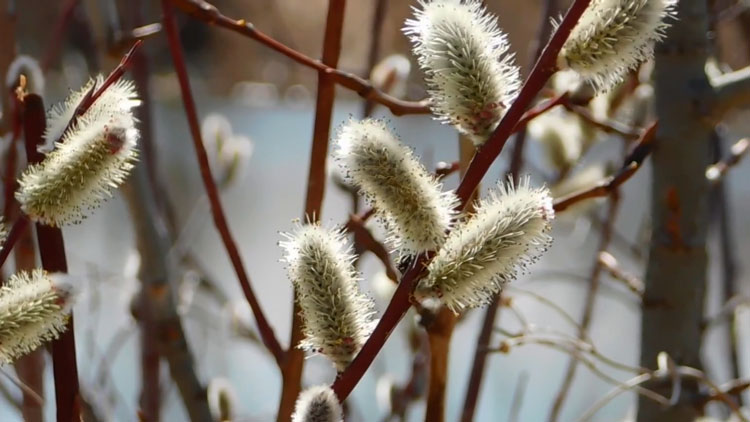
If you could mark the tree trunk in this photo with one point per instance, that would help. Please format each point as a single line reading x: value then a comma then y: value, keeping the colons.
x: 676, y: 272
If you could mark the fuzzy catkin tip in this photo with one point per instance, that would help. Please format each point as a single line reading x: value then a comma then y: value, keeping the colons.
x: 318, y: 404
x: 337, y: 318
x: 508, y: 232
x: 613, y: 37
x: 33, y: 310
x: 470, y: 76
x: 407, y: 198
x: 93, y: 156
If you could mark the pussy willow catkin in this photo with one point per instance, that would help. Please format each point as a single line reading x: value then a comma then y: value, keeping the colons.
x: 470, y: 76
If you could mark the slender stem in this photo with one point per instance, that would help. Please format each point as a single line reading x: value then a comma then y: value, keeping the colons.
x: 399, y: 303
x: 208, y: 13
x: 590, y: 301
x: 52, y: 253
x: 316, y: 181
x: 15, y: 234
x: 217, y: 211
x: 57, y: 34
x: 378, y: 18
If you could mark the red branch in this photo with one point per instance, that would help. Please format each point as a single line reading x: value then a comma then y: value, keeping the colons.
x: 217, y: 211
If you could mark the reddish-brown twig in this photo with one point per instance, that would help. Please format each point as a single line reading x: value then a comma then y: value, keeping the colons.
x: 607, y: 186
x: 609, y: 126
x: 364, y: 238
x: 15, y: 233
x: 208, y: 13
x: 541, y: 108
x: 217, y: 211
x: 52, y: 253
x: 56, y: 35
x: 544, y: 68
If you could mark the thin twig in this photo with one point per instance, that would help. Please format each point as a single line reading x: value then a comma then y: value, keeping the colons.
x: 606, y: 187
x: 378, y: 18
x: 590, y: 301
x: 57, y: 34
x: 217, y: 211
x: 364, y: 238
x: 208, y: 13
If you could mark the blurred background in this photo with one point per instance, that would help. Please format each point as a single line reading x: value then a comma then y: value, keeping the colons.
x: 262, y: 105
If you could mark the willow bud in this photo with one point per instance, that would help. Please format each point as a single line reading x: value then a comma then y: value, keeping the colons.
x: 93, y: 156
x: 33, y: 310
x: 613, y: 37
x: 507, y: 233
x: 470, y: 76
x: 338, y: 319
x: 318, y: 404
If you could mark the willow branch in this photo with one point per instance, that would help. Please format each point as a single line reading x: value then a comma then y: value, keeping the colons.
x: 208, y: 13
x: 217, y: 210
x: 716, y: 172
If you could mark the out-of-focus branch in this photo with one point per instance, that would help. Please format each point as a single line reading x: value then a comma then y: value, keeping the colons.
x: 7, y: 54
x: 56, y: 36
x: 217, y: 210
x: 605, y: 187
x: 715, y: 173
x: 208, y: 13
x: 364, y: 238
x: 732, y: 90
x: 378, y: 18
x: 590, y: 301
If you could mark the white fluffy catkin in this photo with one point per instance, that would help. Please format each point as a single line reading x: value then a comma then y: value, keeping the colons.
x: 92, y: 157
x: 33, y: 310
x: 613, y: 37
x: 470, y: 76
x: 318, y: 404
x: 507, y: 233
x: 406, y: 197
x: 337, y: 318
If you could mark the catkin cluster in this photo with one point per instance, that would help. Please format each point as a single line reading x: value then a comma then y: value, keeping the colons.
x: 408, y: 199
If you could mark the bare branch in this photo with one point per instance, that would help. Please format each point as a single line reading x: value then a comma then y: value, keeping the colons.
x: 732, y: 90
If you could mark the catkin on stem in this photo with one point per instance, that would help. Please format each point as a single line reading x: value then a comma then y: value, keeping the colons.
x: 507, y: 233
x: 337, y: 318
x: 318, y: 404
x: 33, y: 310
x: 613, y: 37
x: 94, y: 155
x: 470, y: 76
x: 407, y: 198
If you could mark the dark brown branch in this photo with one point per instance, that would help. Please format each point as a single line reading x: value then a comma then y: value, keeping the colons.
x: 217, y: 211
x: 208, y: 13
x: 52, y: 253
x: 607, y: 186
x: 15, y: 234
x: 378, y: 18
x: 609, y: 126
